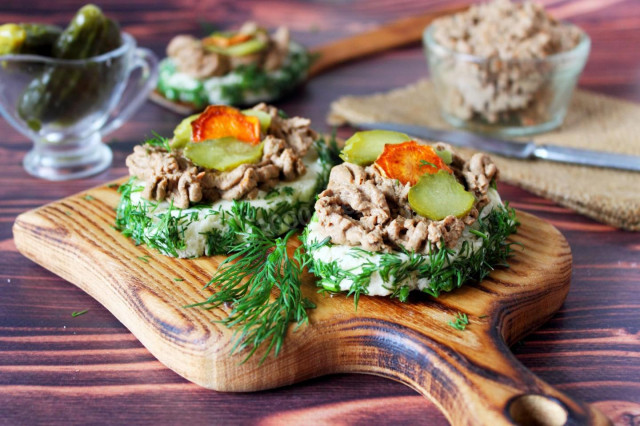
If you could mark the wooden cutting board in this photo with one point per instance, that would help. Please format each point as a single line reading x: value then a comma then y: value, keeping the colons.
x: 471, y: 375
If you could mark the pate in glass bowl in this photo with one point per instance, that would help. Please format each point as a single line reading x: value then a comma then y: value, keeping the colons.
x: 505, y: 68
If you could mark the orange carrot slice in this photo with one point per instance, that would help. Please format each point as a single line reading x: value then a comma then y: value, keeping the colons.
x: 222, y: 41
x: 220, y: 121
x: 408, y: 161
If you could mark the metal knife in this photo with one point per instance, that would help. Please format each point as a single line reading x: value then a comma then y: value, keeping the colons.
x: 507, y: 148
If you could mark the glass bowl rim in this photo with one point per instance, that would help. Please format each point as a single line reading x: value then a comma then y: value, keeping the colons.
x: 580, y: 50
x: 128, y: 43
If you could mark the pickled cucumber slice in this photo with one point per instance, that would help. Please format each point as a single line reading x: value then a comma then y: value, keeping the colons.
x: 241, y: 49
x: 265, y: 119
x: 222, y: 154
x: 364, y: 147
x: 440, y: 195
x: 182, y: 132
x: 445, y: 156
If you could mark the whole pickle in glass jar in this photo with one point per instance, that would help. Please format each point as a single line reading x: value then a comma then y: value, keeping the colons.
x: 61, y: 92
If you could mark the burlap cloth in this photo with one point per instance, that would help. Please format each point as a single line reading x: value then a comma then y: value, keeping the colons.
x: 594, y: 121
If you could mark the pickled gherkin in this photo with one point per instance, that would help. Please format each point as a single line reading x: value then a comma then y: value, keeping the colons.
x: 64, y: 92
x: 182, y: 132
x: 89, y: 33
x: 12, y: 38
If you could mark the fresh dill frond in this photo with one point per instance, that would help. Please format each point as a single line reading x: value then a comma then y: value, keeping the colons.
x: 328, y: 151
x: 89, y: 197
x: 282, y: 114
x: 425, y: 163
x: 77, y: 314
x: 219, y: 242
x: 178, y: 279
x: 274, y: 192
x: 288, y: 190
x: 259, y: 265
x: 158, y: 141
x: 145, y: 259
x: 461, y: 321
x: 479, y: 234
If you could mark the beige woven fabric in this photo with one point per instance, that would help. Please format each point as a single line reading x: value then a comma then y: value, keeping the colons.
x: 594, y: 121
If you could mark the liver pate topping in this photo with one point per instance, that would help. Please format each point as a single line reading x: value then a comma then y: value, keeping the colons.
x: 192, y: 58
x: 360, y: 207
x: 171, y: 176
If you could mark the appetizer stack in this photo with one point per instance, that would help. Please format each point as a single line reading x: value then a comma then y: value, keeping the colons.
x: 223, y: 163
x: 400, y: 215
x: 234, y: 68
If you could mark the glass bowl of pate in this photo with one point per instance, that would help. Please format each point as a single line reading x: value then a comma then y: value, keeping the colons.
x: 505, y: 68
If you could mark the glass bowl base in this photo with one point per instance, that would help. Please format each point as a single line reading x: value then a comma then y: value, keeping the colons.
x: 68, y: 161
x: 501, y: 130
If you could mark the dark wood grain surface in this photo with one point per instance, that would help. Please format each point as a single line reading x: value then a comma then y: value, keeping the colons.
x: 57, y: 369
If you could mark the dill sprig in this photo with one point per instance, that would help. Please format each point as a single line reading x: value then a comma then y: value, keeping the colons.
x: 158, y: 141
x: 425, y: 163
x: 461, y: 321
x: 259, y: 265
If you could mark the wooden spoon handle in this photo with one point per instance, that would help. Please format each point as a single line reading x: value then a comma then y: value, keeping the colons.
x: 389, y: 36
x: 483, y: 385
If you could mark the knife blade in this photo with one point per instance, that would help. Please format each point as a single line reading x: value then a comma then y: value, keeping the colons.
x: 523, y: 150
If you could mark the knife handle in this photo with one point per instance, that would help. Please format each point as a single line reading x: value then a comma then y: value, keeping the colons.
x: 587, y: 157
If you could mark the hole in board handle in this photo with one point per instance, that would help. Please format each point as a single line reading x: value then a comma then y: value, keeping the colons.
x: 537, y: 410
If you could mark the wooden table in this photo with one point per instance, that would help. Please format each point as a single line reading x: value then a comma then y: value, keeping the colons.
x: 90, y: 369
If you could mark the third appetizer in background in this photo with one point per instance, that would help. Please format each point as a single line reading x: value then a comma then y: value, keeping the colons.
x: 235, y: 68
x: 505, y: 66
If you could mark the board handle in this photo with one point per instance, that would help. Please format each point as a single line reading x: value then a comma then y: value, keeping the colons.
x: 477, y: 383
x: 389, y: 36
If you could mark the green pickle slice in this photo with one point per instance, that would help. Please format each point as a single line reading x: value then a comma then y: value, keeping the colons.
x: 223, y: 154
x: 440, y: 195
x: 363, y: 148
x: 182, y: 132
x: 444, y: 155
x: 241, y: 49
x: 265, y: 119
